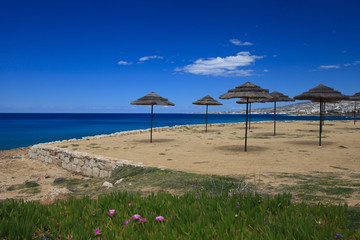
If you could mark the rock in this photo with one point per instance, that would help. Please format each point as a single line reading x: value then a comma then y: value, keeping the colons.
x: 119, y: 181
x: 95, y: 172
x: 104, y: 173
x: 107, y: 184
x: 57, y: 191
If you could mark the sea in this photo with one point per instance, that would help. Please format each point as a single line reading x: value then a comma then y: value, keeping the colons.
x: 26, y: 129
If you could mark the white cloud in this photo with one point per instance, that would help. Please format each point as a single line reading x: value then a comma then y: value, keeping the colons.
x: 329, y: 66
x: 124, y: 63
x: 150, y: 57
x: 226, y: 67
x: 237, y: 42
x: 275, y: 55
x: 337, y: 66
x: 266, y: 70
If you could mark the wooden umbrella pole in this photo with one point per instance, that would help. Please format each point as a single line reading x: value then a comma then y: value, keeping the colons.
x: 354, y: 113
x: 323, y: 117
x: 206, y: 117
x: 250, y: 117
x: 274, y: 118
x: 320, y: 122
x: 152, y: 108
x: 246, y: 125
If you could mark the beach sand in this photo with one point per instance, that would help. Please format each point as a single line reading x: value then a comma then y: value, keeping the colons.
x: 275, y: 163
x: 221, y: 150
x: 16, y: 168
x: 292, y: 161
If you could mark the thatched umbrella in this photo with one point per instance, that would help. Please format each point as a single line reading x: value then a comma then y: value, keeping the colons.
x: 248, y: 91
x: 207, y: 100
x: 355, y: 97
x: 243, y: 101
x: 152, y: 99
x: 321, y: 94
x: 277, y: 97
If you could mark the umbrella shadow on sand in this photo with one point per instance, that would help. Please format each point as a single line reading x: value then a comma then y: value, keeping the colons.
x: 312, y: 130
x: 308, y: 142
x: 160, y: 140
x: 240, y: 149
x: 209, y: 131
x: 268, y: 134
x: 252, y: 127
x: 348, y: 128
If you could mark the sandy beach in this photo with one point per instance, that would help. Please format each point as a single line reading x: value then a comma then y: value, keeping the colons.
x: 272, y: 162
x: 221, y: 150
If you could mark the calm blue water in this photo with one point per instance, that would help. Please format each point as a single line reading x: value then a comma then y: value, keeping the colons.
x: 21, y: 130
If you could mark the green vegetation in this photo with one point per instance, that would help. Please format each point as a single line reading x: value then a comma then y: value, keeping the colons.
x: 177, y: 182
x: 28, y: 187
x: 185, y: 217
x: 194, y: 207
x: 26, y: 184
x: 321, y: 186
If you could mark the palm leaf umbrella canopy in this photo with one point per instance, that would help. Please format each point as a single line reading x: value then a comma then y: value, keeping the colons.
x: 248, y: 91
x: 277, y: 97
x: 355, y: 97
x: 321, y: 94
x: 207, y: 100
x: 152, y: 99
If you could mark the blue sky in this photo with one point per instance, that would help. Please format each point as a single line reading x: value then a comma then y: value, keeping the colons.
x: 98, y: 56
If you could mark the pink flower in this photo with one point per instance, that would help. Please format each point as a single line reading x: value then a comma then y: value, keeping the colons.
x: 97, y: 231
x: 129, y: 204
x: 69, y: 237
x: 159, y: 218
x: 111, y: 212
x: 127, y: 222
x: 143, y: 220
x: 136, y: 216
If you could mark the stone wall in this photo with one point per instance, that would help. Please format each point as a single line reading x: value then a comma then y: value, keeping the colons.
x: 84, y: 163
x: 73, y: 161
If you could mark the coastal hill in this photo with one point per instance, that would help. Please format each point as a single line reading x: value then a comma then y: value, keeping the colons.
x: 303, y: 108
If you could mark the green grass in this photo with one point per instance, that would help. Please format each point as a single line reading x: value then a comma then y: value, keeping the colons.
x: 199, y: 207
x: 320, y: 186
x: 185, y: 217
x: 31, y: 191
x: 176, y: 181
x: 26, y: 184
